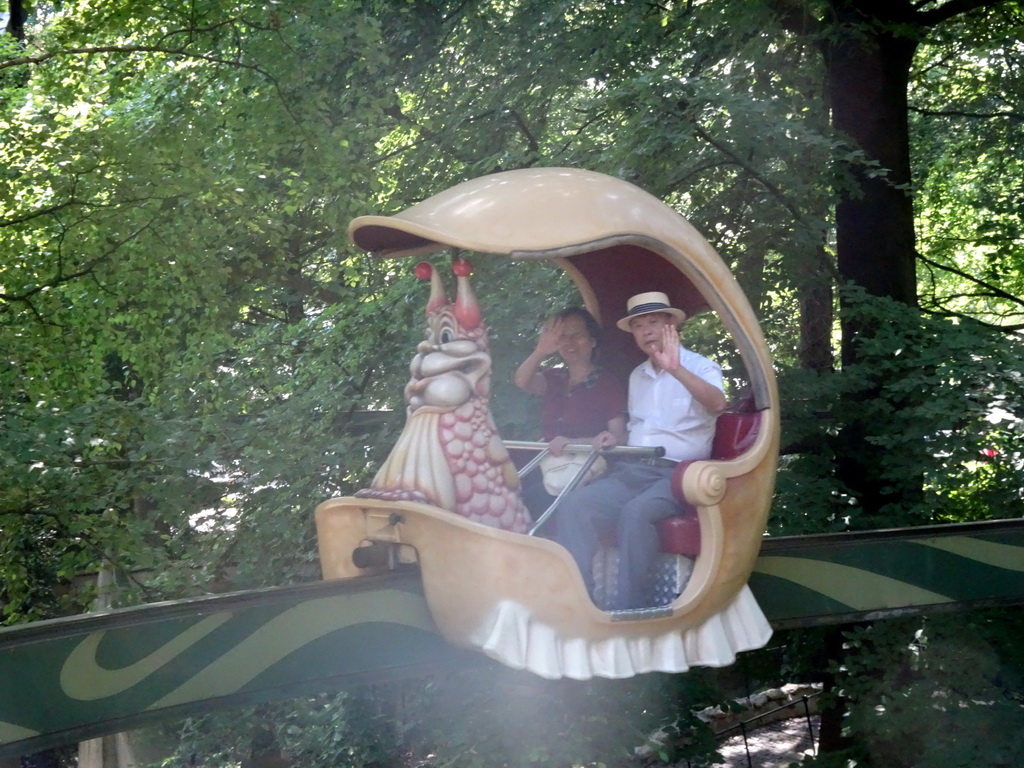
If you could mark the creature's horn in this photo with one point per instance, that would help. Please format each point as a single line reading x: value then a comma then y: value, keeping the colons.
x: 467, y: 310
x: 425, y: 271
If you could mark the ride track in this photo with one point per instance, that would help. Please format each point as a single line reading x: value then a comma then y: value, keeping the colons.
x: 75, y: 678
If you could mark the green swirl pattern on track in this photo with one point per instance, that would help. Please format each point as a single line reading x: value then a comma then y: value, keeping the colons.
x: 856, y: 588
x: 799, y: 580
x: 64, y: 679
x: 83, y: 679
x: 70, y: 679
x: 989, y: 552
x: 11, y: 732
x: 289, y: 632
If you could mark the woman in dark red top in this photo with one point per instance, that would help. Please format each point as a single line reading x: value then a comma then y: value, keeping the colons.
x: 582, y: 402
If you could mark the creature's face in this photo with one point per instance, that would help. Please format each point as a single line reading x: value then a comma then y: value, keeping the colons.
x: 450, y: 453
x: 451, y: 366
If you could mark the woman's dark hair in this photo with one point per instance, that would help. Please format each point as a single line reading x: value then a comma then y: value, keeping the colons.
x: 593, y: 327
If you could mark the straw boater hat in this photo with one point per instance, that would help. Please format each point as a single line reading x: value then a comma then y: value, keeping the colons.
x: 647, y: 303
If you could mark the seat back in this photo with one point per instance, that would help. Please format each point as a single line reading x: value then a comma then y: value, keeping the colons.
x: 735, y: 432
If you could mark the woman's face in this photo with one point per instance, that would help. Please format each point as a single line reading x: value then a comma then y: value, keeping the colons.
x: 574, y: 342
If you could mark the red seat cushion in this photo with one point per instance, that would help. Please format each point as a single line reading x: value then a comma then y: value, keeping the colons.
x: 680, y: 534
x: 734, y: 434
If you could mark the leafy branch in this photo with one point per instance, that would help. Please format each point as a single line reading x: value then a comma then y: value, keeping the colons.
x: 22, y: 61
x: 61, y: 277
x: 175, y: 51
x: 950, y: 10
x: 963, y: 113
x: 772, y: 188
x: 29, y: 216
x: 985, y: 290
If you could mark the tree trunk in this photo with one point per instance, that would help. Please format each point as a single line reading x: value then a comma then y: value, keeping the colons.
x: 16, y: 16
x: 868, y: 74
x: 816, y: 317
x: 868, y: 68
x: 830, y: 728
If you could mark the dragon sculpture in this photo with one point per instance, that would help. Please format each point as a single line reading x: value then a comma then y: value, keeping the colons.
x: 450, y: 453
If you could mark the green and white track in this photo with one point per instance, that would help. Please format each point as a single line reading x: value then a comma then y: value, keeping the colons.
x: 75, y: 678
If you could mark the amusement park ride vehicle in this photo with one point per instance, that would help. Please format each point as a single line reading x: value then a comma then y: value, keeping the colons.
x: 476, y: 575
x: 520, y: 598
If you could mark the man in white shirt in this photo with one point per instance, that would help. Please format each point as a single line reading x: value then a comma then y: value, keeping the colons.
x: 674, y: 398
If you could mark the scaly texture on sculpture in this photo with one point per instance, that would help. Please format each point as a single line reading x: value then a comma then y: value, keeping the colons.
x: 450, y: 453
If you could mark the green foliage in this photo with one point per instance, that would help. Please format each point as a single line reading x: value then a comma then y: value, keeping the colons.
x: 938, y: 692
x: 939, y: 399
x: 348, y: 730
x: 475, y: 717
x: 172, y: 270
x: 488, y: 716
x: 191, y: 343
x: 965, y: 110
x: 515, y: 719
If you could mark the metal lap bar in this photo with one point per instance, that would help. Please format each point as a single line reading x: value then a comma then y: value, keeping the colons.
x: 526, y: 445
x: 633, y: 451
